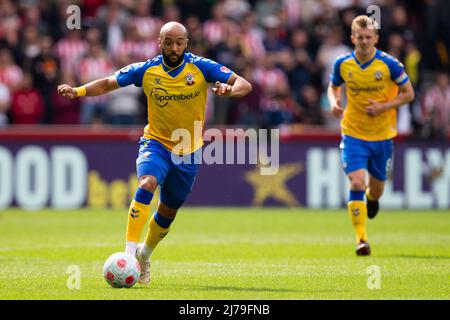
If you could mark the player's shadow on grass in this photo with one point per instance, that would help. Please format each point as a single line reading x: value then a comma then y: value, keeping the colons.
x: 229, y: 288
x: 422, y: 257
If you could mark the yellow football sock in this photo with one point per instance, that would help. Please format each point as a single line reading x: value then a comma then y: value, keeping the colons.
x: 137, y: 217
x: 358, y: 213
x: 155, y: 233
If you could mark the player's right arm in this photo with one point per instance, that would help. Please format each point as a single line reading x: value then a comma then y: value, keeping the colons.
x: 334, y: 88
x: 131, y: 74
x: 334, y: 97
x: 94, y: 88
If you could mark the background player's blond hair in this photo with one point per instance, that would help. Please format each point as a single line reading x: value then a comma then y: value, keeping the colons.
x: 364, y: 22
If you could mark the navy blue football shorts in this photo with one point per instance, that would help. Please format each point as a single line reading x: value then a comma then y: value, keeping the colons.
x: 175, y: 178
x: 373, y: 156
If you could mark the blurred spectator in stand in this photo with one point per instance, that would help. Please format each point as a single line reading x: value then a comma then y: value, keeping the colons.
x: 147, y: 25
x: 171, y: 13
x: 124, y: 106
x: 228, y: 51
x: 301, y: 68
x: 27, y: 106
x: 310, y: 105
x: 45, y: 70
x: 227, y: 54
x: 94, y: 66
x: 274, y: 84
x: 90, y: 10
x: 215, y: 29
x: 437, y: 108
x: 413, y: 67
x: 396, y: 46
x: 197, y: 43
x: 247, y: 110
x: 5, y: 104
x: 251, y: 38
x: 30, y: 46
x: 11, y: 41
x: 112, y: 17
x: 136, y: 47
x: 31, y: 16
x: 347, y: 15
x: 65, y: 111
x: 266, y: 8
x: 236, y: 9
x: 274, y: 38
x: 290, y: 13
x: 70, y: 49
x: 328, y: 51
x: 10, y: 24
x: 10, y: 74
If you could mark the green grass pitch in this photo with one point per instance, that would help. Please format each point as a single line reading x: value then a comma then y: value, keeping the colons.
x: 230, y: 253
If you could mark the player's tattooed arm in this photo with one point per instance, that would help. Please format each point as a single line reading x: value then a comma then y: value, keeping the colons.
x: 406, y: 95
x: 94, y: 88
x: 236, y: 87
x: 334, y: 97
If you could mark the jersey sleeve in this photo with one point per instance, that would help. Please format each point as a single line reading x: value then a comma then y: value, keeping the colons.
x: 213, y: 71
x: 131, y: 74
x: 397, y: 70
x: 335, y: 76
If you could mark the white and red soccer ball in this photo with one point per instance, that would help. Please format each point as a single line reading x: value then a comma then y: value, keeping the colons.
x: 121, y: 270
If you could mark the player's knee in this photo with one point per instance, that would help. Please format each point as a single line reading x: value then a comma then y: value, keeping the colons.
x: 148, y: 183
x: 357, y: 185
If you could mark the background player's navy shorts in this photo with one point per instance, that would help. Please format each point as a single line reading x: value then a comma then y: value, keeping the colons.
x: 175, y: 179
x: 374, y: 156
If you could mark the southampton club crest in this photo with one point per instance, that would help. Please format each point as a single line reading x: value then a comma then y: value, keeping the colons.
x: 378, y: 75
x: 190, y: 79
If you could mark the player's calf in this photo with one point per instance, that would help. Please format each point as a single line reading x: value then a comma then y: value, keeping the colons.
x: 372, y: 204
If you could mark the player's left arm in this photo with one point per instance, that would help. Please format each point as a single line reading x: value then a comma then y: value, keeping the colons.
x: 235, y: 87
x: 406, y: 94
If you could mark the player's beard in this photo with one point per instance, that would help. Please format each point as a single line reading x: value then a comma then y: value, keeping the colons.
x: 169, y: 62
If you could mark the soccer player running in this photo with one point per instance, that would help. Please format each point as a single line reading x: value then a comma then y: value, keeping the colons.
x: 376, y: 85
x: 176, y: 84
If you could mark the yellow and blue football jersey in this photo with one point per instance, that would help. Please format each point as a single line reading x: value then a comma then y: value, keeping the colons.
x: 378, y: 79
x: 176, y: 97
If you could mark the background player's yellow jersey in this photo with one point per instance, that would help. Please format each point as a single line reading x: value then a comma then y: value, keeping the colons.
x: 378, y: 79
x: 176, y: 97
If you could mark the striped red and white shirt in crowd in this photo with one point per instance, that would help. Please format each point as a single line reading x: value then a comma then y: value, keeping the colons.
x: 92, y: 69
x: 252, y: 45
x: 11, y: 75
x: 269, y: 78
x: 70, y: 53
x: 292, y: 9
x: 137, y: 50
x: 148, y: 26
x: 214, y: 31
x: 437, y: 102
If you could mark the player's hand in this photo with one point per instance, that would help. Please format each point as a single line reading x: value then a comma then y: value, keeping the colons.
x: 337, y: 110
x: 221, y: 89
x: 375, y: 108
x: 67, y: 91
